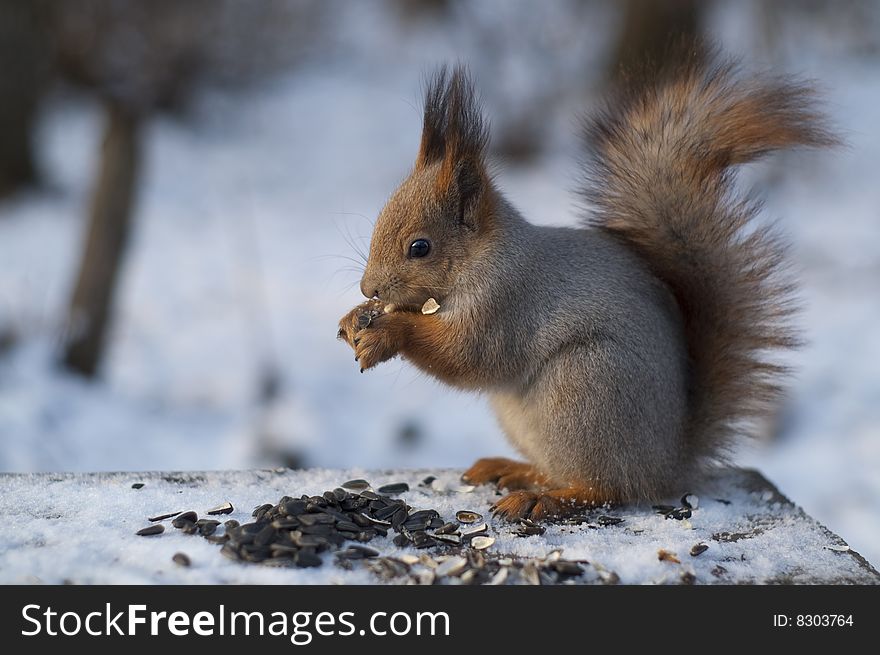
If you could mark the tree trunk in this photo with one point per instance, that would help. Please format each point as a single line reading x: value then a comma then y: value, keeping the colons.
x: 109, y: 223
x: 23, y: 72
x: 652, y: 35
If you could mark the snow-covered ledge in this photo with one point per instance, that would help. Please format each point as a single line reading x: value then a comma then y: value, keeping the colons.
x: 80, y: 528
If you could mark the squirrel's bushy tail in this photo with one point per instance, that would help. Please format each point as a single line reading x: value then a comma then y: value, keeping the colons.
x: 660, y: 179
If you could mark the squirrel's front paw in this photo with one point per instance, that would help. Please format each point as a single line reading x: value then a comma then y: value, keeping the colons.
x: 375, y: 344
x: 359, y: 319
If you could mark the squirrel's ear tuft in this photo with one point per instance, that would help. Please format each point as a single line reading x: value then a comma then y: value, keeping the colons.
x: 456, y: 136
x: 454, y: 128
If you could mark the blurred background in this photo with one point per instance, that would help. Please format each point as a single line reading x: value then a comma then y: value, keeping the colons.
x: 187, y: 189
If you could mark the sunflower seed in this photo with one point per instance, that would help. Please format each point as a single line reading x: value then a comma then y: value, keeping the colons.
x: 679, y: 514
x: 476, y: 558
x: 181, y: 558
x: 430, y: 306
x: 353, y: 503
x: 529, y: 528
x: 377, y: 524
x: 452, y: 539
x: 427, y: 481
x: 565, y: 567
x: 474, y: 530
x: 469, y: 577
x: 316, y: 519
x: 225, y: 508
x: 422, y: 540
x: 451, y: 566
x: 394, y: 488
x: 356, y: 485
x: 368, y: 552
x: 529, y: 574
x: 207, y: 528
x: 425, y: 514
x: 151, y: 530
x: 467, y: 516
x: 264, y: 536
x: 386, y: 513
x: 357, y: 552
x: 388, y: 568
x: 360, y: 520
x: 137, y: 485
x: 608, y: 577
x: 482, y: 543
x: 182, y: 519
x: 294, y: 507
x: 414, y: 525
x: 306, y: 558
x: 698, y: 549
x: 398, y: 518
x: 608, y: 520
x: 285, y: 524
x: 336, y: 514
x: 348, y: 526
x: 307, y: 540
x: 162, y: 517
x: 663, y: 509
x: 528, y: 531
x: 425, y: 577
x: 500, y: 577
x: 447, y: 528
x: 281, y: 550
x: 553, y: 555
x: 230, y: 551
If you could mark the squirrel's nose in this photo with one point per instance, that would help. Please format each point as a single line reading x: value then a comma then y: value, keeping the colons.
x: 369, y: 290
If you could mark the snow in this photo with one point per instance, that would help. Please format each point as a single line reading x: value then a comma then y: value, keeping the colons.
x: 80, y: 528
x: 249, y: 212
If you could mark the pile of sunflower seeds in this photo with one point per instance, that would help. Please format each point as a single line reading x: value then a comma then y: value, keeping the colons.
x: 473, y: 567
x: 294, y: 531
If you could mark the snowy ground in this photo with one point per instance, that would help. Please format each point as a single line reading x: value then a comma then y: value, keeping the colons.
x: 81, y: 529
x: 239, y: 257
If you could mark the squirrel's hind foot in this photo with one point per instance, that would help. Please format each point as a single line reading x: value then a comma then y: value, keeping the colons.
x: 543, y: 505
x: 505, y: 474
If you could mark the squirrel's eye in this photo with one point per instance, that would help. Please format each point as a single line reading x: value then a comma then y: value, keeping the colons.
x: 419, y: 248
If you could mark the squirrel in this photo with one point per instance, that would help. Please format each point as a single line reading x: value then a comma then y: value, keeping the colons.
x: 622, y: 357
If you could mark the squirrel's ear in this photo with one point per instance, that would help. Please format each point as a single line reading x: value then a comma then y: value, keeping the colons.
x: 455, y: 135
x: 453, y: 128
x: 461, y: 184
